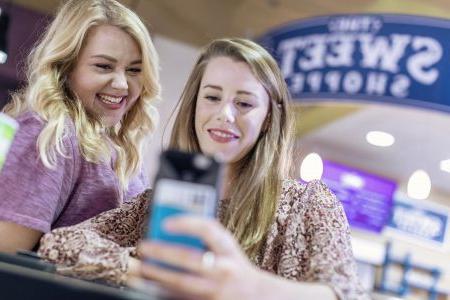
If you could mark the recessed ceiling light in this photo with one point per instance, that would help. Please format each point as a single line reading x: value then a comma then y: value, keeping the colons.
x: 445, y: 165
x: 311, y: 167
x: 380, y: 138
x: 419, y: 185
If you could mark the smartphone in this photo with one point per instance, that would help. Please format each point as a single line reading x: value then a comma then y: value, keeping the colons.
x: 186, y: 183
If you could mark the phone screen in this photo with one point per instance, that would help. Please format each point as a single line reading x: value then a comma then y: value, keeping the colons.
x: 174, y: 197
x: 186, y: 183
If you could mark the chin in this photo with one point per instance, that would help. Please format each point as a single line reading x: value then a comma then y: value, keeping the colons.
x: 110, y: 121
x: 227, y: 159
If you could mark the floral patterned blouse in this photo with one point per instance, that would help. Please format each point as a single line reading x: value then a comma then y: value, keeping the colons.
x: 308, y: 241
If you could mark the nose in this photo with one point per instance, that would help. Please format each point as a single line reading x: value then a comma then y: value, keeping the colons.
x: 119, y: 81
x: 227, y: 112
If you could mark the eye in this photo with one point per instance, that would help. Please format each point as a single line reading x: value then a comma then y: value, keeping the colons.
x: 212, y: 98
x: 103, y: 67
x: 134, y: 71
x: 244, y: 104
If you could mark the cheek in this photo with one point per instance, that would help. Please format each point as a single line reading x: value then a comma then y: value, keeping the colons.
x: 254, y: 130
x: 136, y: 87
x: 80, y: 89
x: 82, y: 81
x: 254, y: 126
x: 204, y: 113
x: 198, y: 121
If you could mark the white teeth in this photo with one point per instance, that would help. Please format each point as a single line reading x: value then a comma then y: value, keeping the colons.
x: 222, y: 134
x: 110, y: 99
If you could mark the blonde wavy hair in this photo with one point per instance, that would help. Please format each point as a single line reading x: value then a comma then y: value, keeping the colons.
x: 257, y: 182
x: 47, y: 92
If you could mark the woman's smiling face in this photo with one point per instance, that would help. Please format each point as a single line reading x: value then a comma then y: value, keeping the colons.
x: 231, y: 108
x: 107, y: 75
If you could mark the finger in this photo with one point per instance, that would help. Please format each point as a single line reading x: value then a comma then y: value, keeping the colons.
x: 137, y: 282
x: 183, y: 257
x: 133, y: 266
x: 181, y: 282
x: 213, y: 234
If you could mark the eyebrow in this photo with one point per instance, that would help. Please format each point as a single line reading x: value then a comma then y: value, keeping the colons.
x: 112, y: 59
x: 216, y: 87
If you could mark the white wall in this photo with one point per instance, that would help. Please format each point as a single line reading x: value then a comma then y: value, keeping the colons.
x: 176, y: 60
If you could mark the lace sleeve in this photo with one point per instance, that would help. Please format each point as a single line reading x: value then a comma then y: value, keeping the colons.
x: 329, y: 248
x: 124, y: 225
x: 98, y: 248
x: 82, y: 253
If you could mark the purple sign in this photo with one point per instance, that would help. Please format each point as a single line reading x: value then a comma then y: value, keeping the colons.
x: 367, y: 198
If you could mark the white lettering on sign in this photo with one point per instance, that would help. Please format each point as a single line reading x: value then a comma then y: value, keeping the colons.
x: 417, y: 222
x: 352, y: 82
x: 341, y: 48
x: 376, y: 83
x: 378, y: 61
x: 333, y: 81
x: 381, y: 52
x: 355, y: 23
x: 429, y: 53
x: 400, y: 86
x: 313, y: 54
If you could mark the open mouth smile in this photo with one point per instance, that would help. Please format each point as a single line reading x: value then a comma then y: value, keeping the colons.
x: 110, y: 99
x: 222, y: 136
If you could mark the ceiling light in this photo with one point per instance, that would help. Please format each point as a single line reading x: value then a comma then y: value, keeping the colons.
x: 419, y: 185
x: 4, y: 24
x: 312, y: 167
x: 380, y: 138
x: 445, y: 165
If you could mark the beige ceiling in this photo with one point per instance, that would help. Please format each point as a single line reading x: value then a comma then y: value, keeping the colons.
x: 198, y: 21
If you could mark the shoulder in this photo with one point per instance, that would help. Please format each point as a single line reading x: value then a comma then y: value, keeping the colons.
x: 304, y: 196
x: 311, y: 208
x: 30, y: 122
x: 27, y: 134
x: 31, y: 139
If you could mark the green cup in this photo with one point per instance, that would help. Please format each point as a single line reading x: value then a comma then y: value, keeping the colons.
x: 8, y: 128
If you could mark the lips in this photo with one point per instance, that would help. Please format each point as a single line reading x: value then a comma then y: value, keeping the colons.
x: 110, y: 101
x: 222, y: 136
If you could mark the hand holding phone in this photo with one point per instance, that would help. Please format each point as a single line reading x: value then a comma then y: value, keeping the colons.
x: 186, y: 183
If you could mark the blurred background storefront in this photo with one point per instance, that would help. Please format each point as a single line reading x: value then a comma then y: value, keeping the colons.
x: 387, y: 161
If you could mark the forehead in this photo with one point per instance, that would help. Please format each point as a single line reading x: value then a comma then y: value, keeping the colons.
x: 225, y: 71
x: 110, y: 40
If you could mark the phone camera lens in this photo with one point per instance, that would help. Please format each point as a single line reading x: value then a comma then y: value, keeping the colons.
x: 202, y: 162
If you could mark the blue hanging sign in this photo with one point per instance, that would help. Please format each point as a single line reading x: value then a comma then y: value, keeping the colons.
x: 389, y: 58
x: 420, y: 222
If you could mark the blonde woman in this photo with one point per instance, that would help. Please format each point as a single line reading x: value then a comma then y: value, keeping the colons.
x: 274, y: 239
x: 83, y: 115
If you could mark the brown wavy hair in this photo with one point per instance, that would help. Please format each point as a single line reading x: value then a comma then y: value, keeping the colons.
x: 257, y: 182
